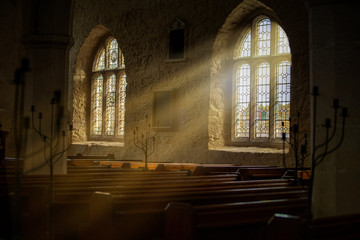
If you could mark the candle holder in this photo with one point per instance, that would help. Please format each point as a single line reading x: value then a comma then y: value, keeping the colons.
x: 299, y: 145
x: 54, y: 145
x: 146, y: 142
x: 320, y: 151
x: 330, y: 134
x: 55, y: 142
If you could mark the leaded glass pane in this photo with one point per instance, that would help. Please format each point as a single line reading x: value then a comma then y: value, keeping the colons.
x: 282, y: 44
x: 282, y: 99
x: 122, y: 61
x: 263, y: 37
x: 97, y: 103
x: 245, y: 48
x: 262, y: 106
x: 110, y: 105
x: 112, y: 54
x: 122, y: 96
x: 242, y: 101
x: 100, y: 61
x: 252, y: 102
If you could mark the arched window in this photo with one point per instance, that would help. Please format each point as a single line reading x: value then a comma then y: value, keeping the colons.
x: 261, y: 82
x: 108, y: 93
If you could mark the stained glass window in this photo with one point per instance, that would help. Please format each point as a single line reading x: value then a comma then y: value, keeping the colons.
x: 282, y: 104
x: 122, y: 60
x: 262, y: 100
x: 96, y: 102
x: 108, y: 93
x: 261, y: 107
x: 122, y: 95
x: 245, y: 48
x: 112, y: 54
x: 242, y: 101
x: 110, y: 105
x: 263, y: 30
x: 100, y: 62
x: 282, y: 45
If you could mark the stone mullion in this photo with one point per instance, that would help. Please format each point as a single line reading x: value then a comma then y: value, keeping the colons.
x: 273, y: 40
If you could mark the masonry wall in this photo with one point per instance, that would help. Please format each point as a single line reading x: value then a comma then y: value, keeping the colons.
x: 199, y: 132
x: 200, y: 84
x: 11, y: 52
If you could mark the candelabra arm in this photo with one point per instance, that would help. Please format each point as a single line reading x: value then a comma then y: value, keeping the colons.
x: 38, y: 131
x: 139, y: 145
x: 60, y: 154
x: 326, y: 144
x: 153, y: 149
x: 337, y: 146
x: 332, y: 134
x: 47, y: 160
x: 55, y: 146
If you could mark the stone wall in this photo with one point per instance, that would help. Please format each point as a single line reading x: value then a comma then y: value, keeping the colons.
x: 11, y: 52
x: 198, y: 83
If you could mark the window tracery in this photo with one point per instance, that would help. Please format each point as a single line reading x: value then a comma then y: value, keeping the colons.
x: 261, y: 80
x: 108, y: 93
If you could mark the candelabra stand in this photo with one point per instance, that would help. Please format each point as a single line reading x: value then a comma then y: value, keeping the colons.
x: 318, y: 155
x: 54, y: 144
x: 147, y: 142
x: 299, y: 146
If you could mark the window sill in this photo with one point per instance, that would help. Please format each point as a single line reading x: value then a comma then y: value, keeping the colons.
x: 263, y: 150
x: 174, y: 60
x: 99, y: 143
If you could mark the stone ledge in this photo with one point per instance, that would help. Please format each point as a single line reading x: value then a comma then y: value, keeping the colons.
x: 249, y: 150
x: 99, y: 143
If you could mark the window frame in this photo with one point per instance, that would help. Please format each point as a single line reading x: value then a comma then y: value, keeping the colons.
x: 254, y: 61
x: 177, y: 25
x: 106, y: 73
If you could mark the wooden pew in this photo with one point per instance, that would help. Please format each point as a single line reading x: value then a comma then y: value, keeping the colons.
x: 244, y: 172
x: 239, y: 220
x: 79, y: 160
x: 176, y: 166
x: 113, y: 180
x: 89, y: 160
x: 66, y: 210
x: 66, y: 203
x: 69, y: 210
x: 159, y: 188
x: 285, y: 226
x: 251, y: 173
x: 125, y: 221
x: 147, y: 210
x: 207, y: 169
x: 65, y: 207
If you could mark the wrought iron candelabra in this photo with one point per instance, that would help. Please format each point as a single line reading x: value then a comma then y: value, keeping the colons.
x: 320, y: 151
x: 146, y: 143
x: 21, y: 125
x: 55, y: 142
x: 54, y: 145
x: 298, y: 144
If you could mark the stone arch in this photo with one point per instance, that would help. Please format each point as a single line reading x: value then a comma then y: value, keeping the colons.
x: 82, y: 82
x: 220, y: 79
x: 221, y: 65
